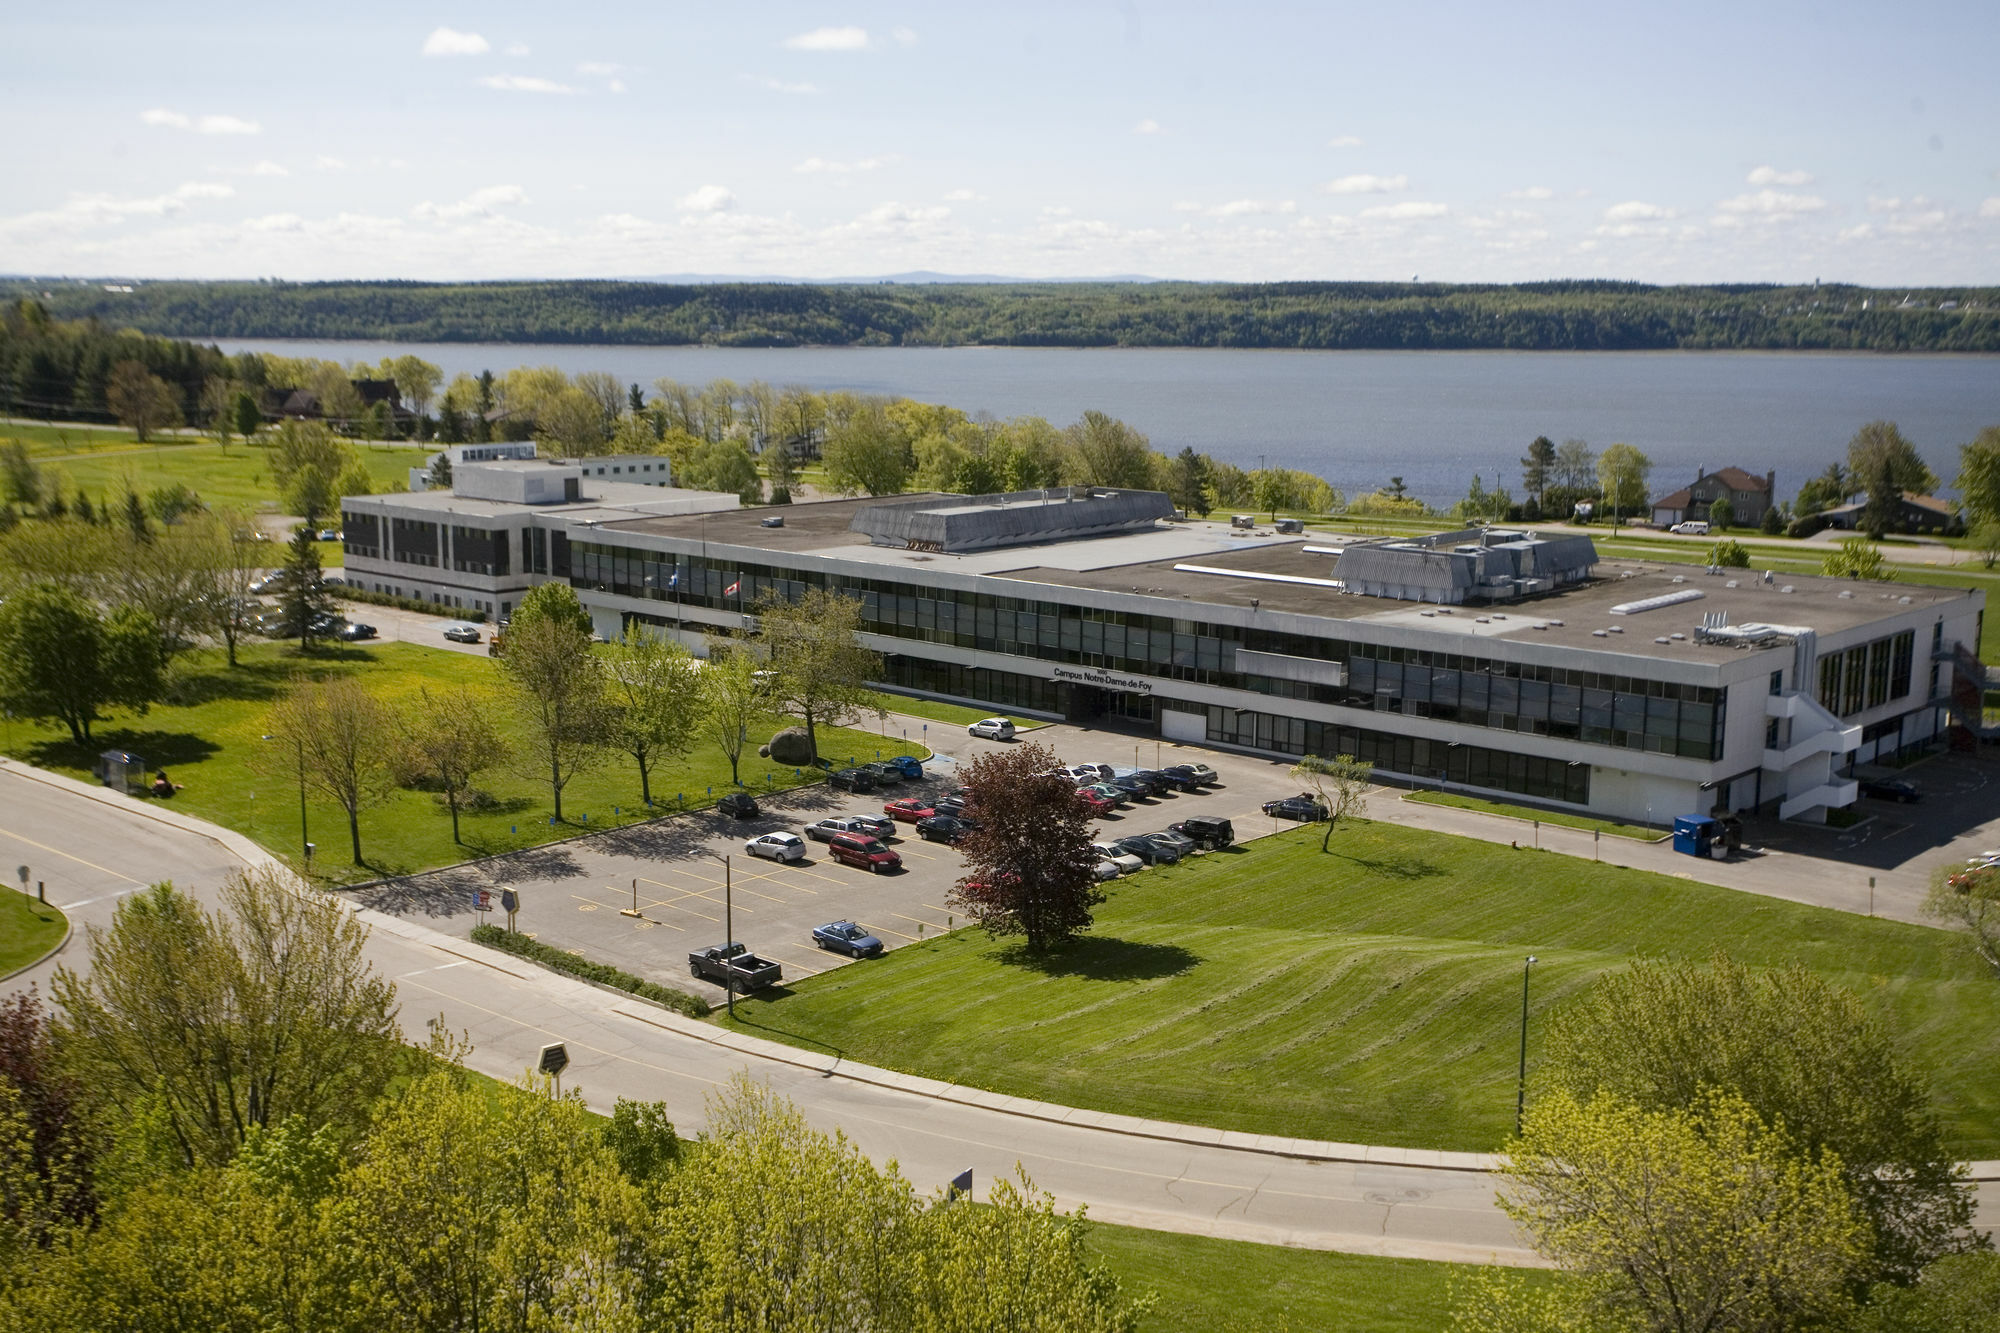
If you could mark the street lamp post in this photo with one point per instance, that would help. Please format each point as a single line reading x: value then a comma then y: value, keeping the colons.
x: 728, y: 930
x: 305, y: 837
x: 1521, y: 1088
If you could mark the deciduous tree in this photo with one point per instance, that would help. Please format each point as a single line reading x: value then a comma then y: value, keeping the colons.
x: 1979, y: 477
x: 559, y: 682
x: 1340, y: 783
x: 656, y: 691
x: 234, y: 1020
x: 1104, y: 451
x: 141, y: 400
x: 60, y: 658
x: 731, y: 699
x: 1722, y: 515
x: 867, y: 453
x: 339, y: 738
x: 1702, y: 1217
x: 1881, y: 442
x: 820, y: 668
x: 1029, y: 867
x: 1969, y: 899
x: 448, y: 739
x: 1729, y: 554
x: 1854, y: 558
x: 1799, y: 1051
x: 723, y: 466
x: 1621, y: 477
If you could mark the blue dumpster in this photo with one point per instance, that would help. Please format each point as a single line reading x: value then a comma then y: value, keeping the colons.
x: 1696, y: 835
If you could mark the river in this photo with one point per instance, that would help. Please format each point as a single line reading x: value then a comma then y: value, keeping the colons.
x: 1357, y: 418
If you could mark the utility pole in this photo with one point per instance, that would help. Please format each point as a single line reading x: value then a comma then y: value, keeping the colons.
x: 728, y: 930
x: 1521, y: 1088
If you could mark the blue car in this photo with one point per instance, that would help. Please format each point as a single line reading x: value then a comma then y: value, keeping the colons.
x: 911, y: 767
x: 848, y: 938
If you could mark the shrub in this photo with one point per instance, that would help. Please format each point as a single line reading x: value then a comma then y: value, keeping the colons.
x: 349, y: 593
x: 1807, y: 525
x: 561, y: 960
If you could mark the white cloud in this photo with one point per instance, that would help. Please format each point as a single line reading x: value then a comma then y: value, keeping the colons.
x: 325, y: 163
x: 452, y: 42
x: 1148, y: 126
x: 904, y: 36
x: 280, y: 222
x: 1634, y: 210
x: 961, y: 195
x: 616, y: 85
x: 600, y: 69
x: 1367, y: 184
x: 175, y: 120
x: 1240, y: 208
x: 765, y: 81
x: 1990, y: 208
x: 829, y: 39
x: 524, y: 83
x: 481, y: 203
x: 1772, y: 176
x: 819, y: 166
x: 264, y: 168
x: 1772, y: 205
x: 103, y: 210
x: 517, y: 49
x: 1408, y: 210
x: 1344, y: 141
x: 707, y: 199
x: 1532, y: 192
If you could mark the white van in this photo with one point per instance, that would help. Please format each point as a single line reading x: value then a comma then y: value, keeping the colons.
x: 1694, y: 527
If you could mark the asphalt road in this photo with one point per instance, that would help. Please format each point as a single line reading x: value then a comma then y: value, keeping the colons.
x: 91, y: 854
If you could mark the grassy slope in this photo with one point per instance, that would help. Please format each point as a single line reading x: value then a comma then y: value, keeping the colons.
x: 28, y: 929
x: 210, y: 742
x: 1217, y: 1285
x: 238, y: 477
x: 1610, y: 826
x: 1370, y: 995
x: 957, y: 714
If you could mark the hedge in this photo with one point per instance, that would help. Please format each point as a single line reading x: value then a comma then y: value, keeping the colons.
x: 561, y: 960
x: 348, y: 592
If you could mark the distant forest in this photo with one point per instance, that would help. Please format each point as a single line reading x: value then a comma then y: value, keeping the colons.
x: 1549, y: 316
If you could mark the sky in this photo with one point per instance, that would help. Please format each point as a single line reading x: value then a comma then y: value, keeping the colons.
x: 1692, y: 142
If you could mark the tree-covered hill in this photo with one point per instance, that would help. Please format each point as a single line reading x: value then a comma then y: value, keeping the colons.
x: 1549, y: 316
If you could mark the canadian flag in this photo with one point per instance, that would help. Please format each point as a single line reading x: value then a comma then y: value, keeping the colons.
x: 730, y: 591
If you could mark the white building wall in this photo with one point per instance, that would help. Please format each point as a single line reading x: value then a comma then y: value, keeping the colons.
x: 1623, y: 793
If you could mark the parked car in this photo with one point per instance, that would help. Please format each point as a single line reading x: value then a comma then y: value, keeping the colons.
x: 955, y: 806
x: 1304, y: 808
x: 908, y: 765
x: 855, y: 849
x: 851, y: 779
x: 1093, y: 772
x: 1891, y: 789
x: 1116, y: 796
x: 327, y: 535
x: 848, y: 938
x: 944, y: 828
x: 882, y: 774
x: 992, y: 729
x: 354, y: 631
x: 1156, y: 782
x: 1152, y: 853
x: 909, y: 810
x: 1104, y: 870
x: 1180, y: 842
x: 777, y: 846
x: 462, y: 633
x: 739, y: 805
x: 1181, y: 777
x: 1203, y: 774
x: 1099, y: 804
x: 732, y: 963
x: 774, y: 521
x: 1133, y: 788
x: 868, y: 826
x: 1126, y: 862
x: 326, y: 625
x: 1210, y: 832
x: 1692, y: 527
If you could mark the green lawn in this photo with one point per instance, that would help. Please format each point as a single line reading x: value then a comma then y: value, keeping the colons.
x: 104, y: 465
x: 28, y: 929
x: 209, y: 740
x: 957, y: 714
x: 1218, y: 1286
x: 1610, y: 826
x: 1369, y: 995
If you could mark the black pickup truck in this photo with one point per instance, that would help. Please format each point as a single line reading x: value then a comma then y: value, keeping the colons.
x: 727, y: 963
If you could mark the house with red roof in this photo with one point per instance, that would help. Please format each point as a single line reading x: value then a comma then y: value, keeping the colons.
x: 1749, y: 496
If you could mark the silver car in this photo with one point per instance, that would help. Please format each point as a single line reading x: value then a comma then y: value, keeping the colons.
x: 866, y: 826
x: 777, y: 846
x: 1125, y: 862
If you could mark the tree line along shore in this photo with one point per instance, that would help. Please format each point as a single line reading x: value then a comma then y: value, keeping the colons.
x: 1545, y: 316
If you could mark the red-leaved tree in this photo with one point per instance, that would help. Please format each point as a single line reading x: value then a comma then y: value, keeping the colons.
x: 1029, y: 867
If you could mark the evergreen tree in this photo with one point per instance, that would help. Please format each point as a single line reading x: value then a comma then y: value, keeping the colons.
x: 304, y: 600
x: 135, y: 518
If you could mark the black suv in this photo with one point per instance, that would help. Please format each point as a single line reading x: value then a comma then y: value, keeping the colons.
x: 739, y: 805
x: 851, y: 779
x: 1209, y: 832
x: 1305, y: 809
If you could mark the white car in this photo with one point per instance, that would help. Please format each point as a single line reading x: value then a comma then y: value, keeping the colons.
x: 992, y: 728
x: 1107, y: 869
x: 1090, y: 774
x: 1126, y: 863
x: 867, y: 826
x: 1203, y: 774
x: 777, y: 846
x: 1693, y: 527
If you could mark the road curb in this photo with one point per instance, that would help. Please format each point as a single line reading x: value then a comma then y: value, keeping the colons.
x: 69, y: 929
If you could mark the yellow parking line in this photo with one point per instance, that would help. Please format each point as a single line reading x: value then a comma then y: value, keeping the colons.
x: 935, y: 908
x: 919, y: 920
x: 897, y: 933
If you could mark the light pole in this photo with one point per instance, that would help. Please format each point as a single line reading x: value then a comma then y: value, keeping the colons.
x: 1521, y: 1088
x: 728, y: 930
x: 305, y: 837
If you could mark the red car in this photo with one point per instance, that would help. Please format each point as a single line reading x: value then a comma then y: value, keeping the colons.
x: 909, y: 810
x: 1098, y: 805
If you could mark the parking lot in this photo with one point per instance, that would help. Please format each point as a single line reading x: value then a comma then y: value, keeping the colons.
x: 577, y: 894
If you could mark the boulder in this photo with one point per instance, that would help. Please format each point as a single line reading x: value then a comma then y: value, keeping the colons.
x: 791, y: 746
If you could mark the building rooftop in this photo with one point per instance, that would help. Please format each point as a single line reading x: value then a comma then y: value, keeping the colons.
x: 1207, y: 563
x: 615, y: 499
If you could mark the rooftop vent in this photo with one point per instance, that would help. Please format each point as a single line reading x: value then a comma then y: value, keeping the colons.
x: 1597, y: 634
x: 1787, y: 588
x: 1661, y: 639
x: 1616, y: 629
x: 1844, y: 592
